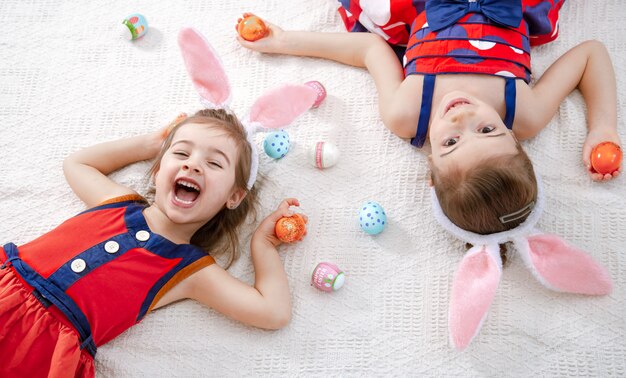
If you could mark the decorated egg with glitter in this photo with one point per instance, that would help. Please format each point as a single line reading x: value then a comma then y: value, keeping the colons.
x: 290, y: 229
x: 372, y: 218
x: 606, y: 158
x: 251, y: 28
x: 322, y: 154
x: 276, y: 144
x: 134, y: 26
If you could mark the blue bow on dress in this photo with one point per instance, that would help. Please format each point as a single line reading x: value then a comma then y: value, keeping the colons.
x: 443, y: 13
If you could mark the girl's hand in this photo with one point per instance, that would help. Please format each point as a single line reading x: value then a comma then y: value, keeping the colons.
x: 596, y: 136
x: 162, y: 134
x: 267, y: 44
x: 265, y: 232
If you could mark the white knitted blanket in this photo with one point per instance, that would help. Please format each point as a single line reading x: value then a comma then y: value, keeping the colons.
x: 68, y: 81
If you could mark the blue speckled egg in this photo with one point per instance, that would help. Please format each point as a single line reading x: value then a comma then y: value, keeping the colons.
x: 372, y: 217
x: 276, y: 144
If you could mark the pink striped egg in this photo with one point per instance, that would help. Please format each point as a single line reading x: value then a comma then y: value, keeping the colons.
x: 323, y: 154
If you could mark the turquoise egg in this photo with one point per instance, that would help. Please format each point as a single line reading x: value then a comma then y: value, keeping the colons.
x: 276, y: 144
x: 372, y: 218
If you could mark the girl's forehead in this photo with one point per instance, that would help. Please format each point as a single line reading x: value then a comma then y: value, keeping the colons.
x: 205, y: 136
x: 200, y: 129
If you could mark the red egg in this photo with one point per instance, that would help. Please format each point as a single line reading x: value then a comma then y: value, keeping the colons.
x: 290, y: 229
x: 252, y: 28
x: 606, y: 158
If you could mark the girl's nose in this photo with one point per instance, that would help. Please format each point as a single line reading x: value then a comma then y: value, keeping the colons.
x: 191, y: 167
x: 461, y: 116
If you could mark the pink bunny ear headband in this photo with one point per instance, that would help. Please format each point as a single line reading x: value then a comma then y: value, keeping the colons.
x: 555, y: 264
x: 275, y: 109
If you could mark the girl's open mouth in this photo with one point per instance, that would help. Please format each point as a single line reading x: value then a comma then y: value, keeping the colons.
x: 456, y: 102
x: 185, y: 192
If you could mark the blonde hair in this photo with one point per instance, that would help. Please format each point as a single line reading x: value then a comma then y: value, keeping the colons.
x: 475, y: 199
x: 220, y: 235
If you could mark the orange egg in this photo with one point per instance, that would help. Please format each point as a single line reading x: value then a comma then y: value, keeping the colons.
x: 290, y: 229
x: 252, y: 28
x: 606, y: 157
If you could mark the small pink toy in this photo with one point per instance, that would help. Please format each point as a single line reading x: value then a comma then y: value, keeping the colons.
x: 327, y: 277
x: 320, y: 90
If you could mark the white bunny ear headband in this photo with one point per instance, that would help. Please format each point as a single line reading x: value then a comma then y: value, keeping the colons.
x: 555, y: 264
x: 275, y: 109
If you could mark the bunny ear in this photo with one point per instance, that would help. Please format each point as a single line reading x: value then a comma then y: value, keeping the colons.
x: 473, y: 289
x: 562, y: 267
x: 280, y: 106
x: 205, y: 69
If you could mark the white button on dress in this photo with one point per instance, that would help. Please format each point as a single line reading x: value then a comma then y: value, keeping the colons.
x: 78, y: 265
x: 142, y: 235
x: 111, y: 246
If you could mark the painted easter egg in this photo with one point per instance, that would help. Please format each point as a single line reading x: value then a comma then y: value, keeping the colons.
x: 252, y: 28
x: 134, y: 26
x: 290, y: 229
x: 606, y: 157
x: 322, y: 154
x: 276, y: 144
x: 327, y: 277
x: 319, y: 90
x: 372, y: 218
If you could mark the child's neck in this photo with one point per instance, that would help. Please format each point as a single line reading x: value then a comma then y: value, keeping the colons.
x: 159, y: 223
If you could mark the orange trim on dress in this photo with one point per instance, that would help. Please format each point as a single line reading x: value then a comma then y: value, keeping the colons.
x: 181, y: 275
x: 125, y: 197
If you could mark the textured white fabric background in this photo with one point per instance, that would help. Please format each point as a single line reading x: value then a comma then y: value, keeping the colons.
x: 67, y: 81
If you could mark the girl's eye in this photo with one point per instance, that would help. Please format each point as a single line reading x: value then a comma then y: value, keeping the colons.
x: 215, y: 164
x: 486, y: 129
x: 450, y: 141
x: 180, y: 153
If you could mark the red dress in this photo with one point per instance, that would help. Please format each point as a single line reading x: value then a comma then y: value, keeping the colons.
x: 82, y: 284
x: 473, y: 44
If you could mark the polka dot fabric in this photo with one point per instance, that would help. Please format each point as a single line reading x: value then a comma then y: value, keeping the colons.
x: 474, y: 44
x: 276, y: 144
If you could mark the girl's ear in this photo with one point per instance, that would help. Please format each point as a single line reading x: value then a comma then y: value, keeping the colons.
x: 235, y: 198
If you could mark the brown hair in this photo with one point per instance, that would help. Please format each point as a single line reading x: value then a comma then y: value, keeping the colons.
x: 474, y: 199
x: 220, y: 234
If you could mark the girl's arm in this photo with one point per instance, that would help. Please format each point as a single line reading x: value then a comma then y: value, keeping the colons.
x: 267, y: 304
x: 86, y: 170
x: 399, y: 99
x: 586, y: 67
